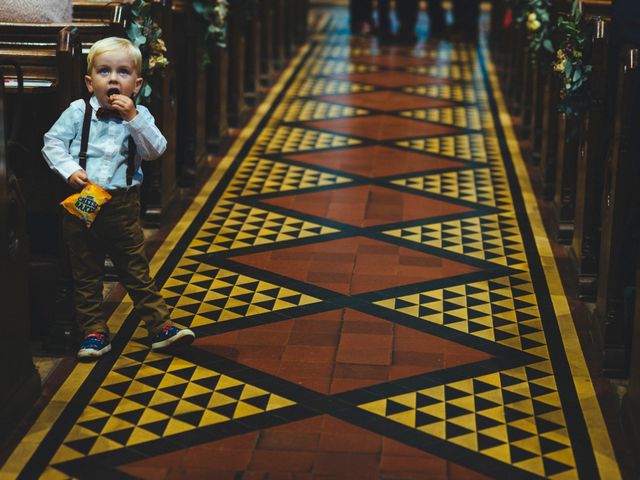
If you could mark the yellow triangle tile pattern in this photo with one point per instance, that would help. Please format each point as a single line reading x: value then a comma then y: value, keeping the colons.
x: 342, y: 51
x: 463, y: 117
x: 495, y: 238
x: 328, y: 86
x: 472, y: 147
x: 503, y: 310
x: 303, y: 110
x: 199, y: 294
x: 453, y: 72
x: 457, y: 92
x: 469, y: 185
x: 294, y: 139
x: 513, y: 416
x: 232, y: 225
x: 158, y: 397
x: 338, y: 67
x: 259, y: 175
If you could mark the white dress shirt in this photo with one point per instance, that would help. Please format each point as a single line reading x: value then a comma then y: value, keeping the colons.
x: 108, y: 145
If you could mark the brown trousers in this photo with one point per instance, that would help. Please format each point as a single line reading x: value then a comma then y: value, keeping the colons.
x: 117, y: 232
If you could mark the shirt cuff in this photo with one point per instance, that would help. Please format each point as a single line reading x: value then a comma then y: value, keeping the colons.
x: 68, y: 168
x: 138, y: 123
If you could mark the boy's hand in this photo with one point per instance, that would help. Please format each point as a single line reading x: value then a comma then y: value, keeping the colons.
x: 124, y: 105
x: 78, y: 179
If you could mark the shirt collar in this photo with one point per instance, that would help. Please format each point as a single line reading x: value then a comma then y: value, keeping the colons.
x: 94, y: 103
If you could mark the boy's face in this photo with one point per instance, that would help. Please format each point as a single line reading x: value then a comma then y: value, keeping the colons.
x: 114, y: 69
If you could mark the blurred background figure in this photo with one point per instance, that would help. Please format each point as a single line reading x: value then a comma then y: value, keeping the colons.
x: 437, y: 24
x: 407, y: 12
x: 465, y: 19
x: 361, y: 17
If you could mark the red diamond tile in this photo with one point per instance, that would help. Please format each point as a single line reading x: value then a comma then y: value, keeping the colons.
x: 386, y: 79
x: 355, y: 265
x: 319, y: 447
x: 374, y: 161
x: 367, y: 205
x: 383, y: 127
x: 391, y: 61
x: 340, y: 350
x: 386, y: 101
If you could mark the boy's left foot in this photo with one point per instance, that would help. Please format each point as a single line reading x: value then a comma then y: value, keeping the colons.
x: 171, y: 336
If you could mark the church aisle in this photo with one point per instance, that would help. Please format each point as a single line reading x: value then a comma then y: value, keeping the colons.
x: 373, y: 293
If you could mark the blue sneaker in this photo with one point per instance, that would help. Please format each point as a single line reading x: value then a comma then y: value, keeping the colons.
x: 94, y: 345
x: 171, y: 335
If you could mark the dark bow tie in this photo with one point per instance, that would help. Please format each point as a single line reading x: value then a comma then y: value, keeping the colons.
x: 106, y: 113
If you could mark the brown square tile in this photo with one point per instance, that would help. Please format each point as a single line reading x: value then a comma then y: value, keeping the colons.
x: 386, y: 101
x: 383, y: 127
x: 375, y: 161
x: 389, y: 79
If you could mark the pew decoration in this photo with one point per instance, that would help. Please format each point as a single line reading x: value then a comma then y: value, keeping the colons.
x: 570, y: 63
x: 145, y: 33
x: 538, y: 23
x: 214, y: 13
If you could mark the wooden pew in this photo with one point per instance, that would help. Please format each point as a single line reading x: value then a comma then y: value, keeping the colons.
x: 549, y: 125
x: 20, y: 382
x: 300, y: 21
x: 591, y: 158
x: 567, y: 170
x: 535, y: 129
x: 565, y: 177
x: 515, y: 81
x: 630, y: 412
x: 267, y: 55
x: 526, y: 93
x: 620, y: 188
x: 53, y: 68
x: 159, y: 186
x: 217, y: 123
x: 253, y: 32
x: 279, y: 34
x: 191, y: 152
x: 237, y: 45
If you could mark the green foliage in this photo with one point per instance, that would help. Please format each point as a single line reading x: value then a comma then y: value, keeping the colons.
x: 145, y: 34
x: 570, y: 63
x: 214, y: 13
x: 538, y: 22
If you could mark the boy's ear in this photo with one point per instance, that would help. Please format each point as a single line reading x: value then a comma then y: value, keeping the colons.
x: 138, y: 86
x: 87, y: 82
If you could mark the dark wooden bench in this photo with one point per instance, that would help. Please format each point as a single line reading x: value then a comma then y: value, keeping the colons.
x: 619, y: 198
x: 592, y: 145
x: 237, y: 45
x: 191, y: 85
x: 568, y: 147
x: 33, y: 268
x: 21, y: 382
x: 630, y: 416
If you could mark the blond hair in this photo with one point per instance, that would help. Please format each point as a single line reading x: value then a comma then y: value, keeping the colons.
x: 110, y: 44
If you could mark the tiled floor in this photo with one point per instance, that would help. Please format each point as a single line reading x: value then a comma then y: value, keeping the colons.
x: 373, y: 293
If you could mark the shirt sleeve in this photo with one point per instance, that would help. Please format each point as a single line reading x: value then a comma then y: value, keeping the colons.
x: 150, y: 143
x: 58, y: 140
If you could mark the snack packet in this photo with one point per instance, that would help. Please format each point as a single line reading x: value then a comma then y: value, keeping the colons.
x: 86, y: 204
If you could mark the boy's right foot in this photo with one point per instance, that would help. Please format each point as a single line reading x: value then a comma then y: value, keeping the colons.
x: 94, y: 345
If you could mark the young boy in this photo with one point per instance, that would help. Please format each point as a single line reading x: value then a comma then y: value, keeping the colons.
x: 121, y: 135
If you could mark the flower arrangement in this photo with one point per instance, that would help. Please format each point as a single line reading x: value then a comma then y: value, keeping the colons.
x: 570, y: 64
x: 145, y: 34
x: 214, y: 13
x: 538, y: 23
